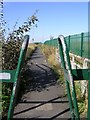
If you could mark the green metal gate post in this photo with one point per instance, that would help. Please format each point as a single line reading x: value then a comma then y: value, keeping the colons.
x: 16, y: 83
x: 13, y: 76
x: 64, y: 53
x: 67, y: 83
x: 72, y: 75
x: 82, y: 44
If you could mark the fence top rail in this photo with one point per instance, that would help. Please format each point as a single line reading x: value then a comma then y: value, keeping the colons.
x: 86, y: 34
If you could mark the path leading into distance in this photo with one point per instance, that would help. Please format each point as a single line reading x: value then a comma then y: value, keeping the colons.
x: 44, y: 97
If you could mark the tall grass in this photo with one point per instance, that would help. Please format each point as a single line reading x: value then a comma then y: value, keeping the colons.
x: 50, y: 53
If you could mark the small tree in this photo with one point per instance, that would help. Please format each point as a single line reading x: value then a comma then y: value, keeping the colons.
x: 19, y: 33
x: 11, y: 47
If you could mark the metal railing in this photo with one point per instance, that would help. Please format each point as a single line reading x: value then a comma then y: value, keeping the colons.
x: 13, y: 75
x: 72, y: 75
x: 78, y: 44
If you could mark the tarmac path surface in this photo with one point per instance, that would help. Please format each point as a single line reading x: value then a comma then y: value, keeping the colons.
x: 44, y: 97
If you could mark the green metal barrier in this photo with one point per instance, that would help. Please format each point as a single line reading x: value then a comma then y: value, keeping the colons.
x: 77, y: 44
x: 13, y: 76
x: 70, y: 76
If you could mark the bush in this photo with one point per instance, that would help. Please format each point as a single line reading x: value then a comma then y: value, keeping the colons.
x: 10, y: 55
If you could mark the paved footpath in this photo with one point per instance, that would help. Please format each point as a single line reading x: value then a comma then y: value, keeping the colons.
x: 43, y: 97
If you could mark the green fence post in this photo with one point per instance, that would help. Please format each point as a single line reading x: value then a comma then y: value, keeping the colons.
x: 82, y: 35
x: 16, y: 83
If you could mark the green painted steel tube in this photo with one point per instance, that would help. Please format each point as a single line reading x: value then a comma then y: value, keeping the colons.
x: 67, y: 66
x: 16, y: 84
x: 75, y: 104
x: 82, y: 44
x: 73, y: 86
x: 70, y: 99
x: 80, y: 74
x: 69, y: 42
x: 67, y: 83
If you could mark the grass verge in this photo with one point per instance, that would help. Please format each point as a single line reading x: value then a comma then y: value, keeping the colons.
x: 50, y: 53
